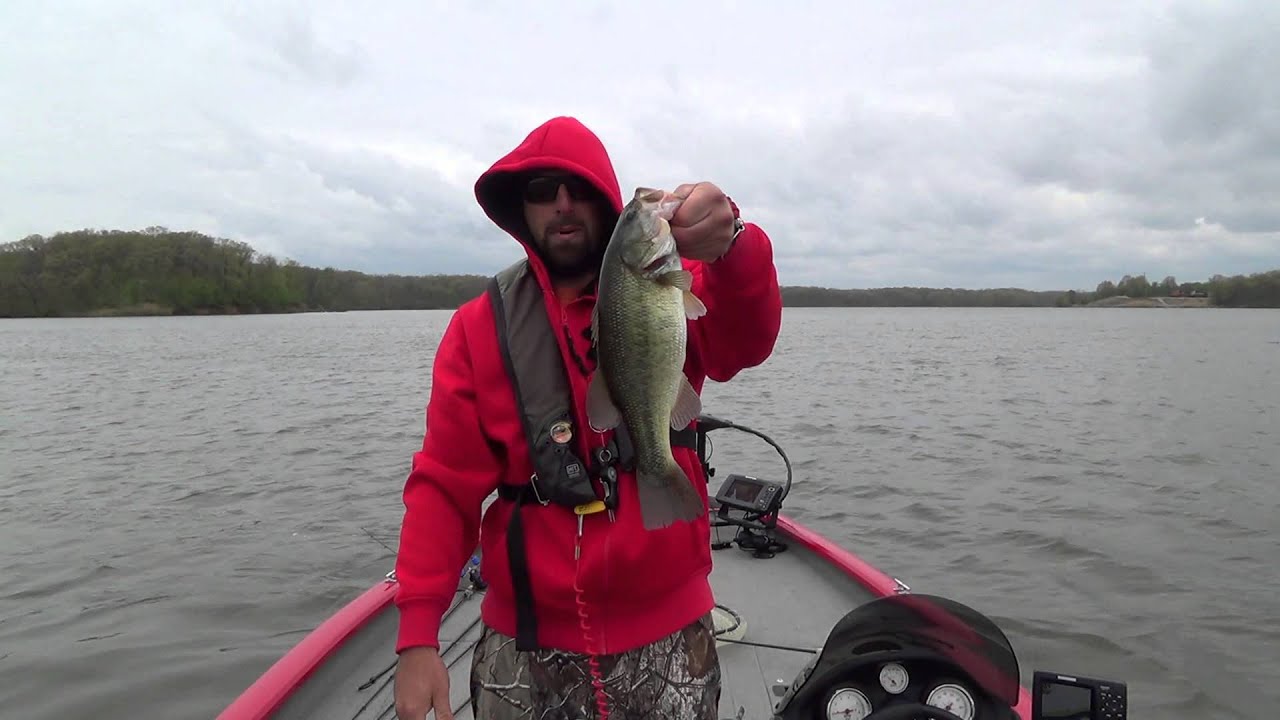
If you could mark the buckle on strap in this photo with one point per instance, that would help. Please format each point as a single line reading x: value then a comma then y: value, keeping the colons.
x: 518, y: 494
x: 608, y: 459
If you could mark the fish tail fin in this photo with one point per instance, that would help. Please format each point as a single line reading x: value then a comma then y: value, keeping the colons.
x: 667, y: 497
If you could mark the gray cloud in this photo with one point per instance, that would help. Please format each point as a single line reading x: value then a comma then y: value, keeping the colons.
x: 288, y: 44
x: 1043, y: 147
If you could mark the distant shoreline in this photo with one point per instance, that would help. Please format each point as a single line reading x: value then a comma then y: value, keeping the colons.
x: 159, y: 273
x: 1123, y: 301
x: 155, y: 310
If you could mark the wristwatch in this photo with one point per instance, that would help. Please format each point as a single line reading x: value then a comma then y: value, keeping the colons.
x: 738, y: 226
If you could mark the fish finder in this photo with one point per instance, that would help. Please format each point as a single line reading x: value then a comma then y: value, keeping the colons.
x: 750, y: 495
x: 752, y: 505
x: 1072, y: 697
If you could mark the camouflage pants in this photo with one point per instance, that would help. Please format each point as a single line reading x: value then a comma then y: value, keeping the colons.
x: 675, y: 677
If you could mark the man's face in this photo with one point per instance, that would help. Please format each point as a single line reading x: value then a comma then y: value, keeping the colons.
x: 564, y: 220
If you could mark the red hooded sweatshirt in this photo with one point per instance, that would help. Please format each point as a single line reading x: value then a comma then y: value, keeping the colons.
x: 638, y: 585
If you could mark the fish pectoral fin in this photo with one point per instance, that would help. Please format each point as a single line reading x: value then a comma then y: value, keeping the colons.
x: 693, y: 307
x: 602, y: 414
x: 595, y: 325
x: 688, y: 405
x: 681, y: 278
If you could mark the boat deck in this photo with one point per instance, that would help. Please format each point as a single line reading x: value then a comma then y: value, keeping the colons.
x: 792, y: 599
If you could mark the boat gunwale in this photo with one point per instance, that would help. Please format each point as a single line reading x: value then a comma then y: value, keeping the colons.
x: 287, y: 674
x: 280, y: 681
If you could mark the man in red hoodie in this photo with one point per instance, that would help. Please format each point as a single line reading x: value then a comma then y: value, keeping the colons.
x: 570, y: 594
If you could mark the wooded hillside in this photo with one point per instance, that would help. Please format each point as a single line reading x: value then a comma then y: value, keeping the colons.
x: 158, y: 271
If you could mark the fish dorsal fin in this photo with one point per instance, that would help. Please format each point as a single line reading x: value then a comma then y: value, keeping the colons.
x: 688, y: 405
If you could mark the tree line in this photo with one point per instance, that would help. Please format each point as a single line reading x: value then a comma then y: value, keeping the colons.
x: 1258, y: 290
x: 159, y: 271
x: 917, y: 297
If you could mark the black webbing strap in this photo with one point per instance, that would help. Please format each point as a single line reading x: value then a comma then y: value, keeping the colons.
x: 526, y: 619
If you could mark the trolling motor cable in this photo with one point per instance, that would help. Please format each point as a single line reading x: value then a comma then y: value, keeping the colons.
x: 737, y: 623
x: 771, y: 646
x: 709, y: 423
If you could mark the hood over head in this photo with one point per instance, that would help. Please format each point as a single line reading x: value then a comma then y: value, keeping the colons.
x: 562, y: 143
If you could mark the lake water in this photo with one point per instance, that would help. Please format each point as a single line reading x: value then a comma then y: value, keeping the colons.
x: 182, y: 499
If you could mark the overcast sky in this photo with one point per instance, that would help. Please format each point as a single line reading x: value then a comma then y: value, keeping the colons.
x: 1030, y: 144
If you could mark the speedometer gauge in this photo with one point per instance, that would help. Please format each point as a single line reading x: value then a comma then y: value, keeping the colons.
x: 893, y: 678
x: 848, y: 704
x: 952, y: 698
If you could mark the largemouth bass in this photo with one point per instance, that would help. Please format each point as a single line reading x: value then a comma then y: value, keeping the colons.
x: 639, y: 328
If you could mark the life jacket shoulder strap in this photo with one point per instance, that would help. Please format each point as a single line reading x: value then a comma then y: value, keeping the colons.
x: 536, y: 371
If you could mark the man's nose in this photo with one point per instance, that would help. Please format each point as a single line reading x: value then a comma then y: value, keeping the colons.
x: 564, y: 199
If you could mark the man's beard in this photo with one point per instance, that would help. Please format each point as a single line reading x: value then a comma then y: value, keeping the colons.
x: 570, y: 263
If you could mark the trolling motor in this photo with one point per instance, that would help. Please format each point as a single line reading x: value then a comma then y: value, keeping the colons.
x: 745, y: 502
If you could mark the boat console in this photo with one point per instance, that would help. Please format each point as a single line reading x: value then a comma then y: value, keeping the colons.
x: 913, y: 655
x: 906, y: 656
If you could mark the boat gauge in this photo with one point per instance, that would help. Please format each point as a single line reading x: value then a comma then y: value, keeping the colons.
x: 893, y: 678
x: 848, y: 704
x: 954, y: 699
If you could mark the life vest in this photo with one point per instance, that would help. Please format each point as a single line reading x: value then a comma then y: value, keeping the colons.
x: 531, y: 355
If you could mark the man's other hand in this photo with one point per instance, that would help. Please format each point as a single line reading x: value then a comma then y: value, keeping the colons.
x: 422, y: 684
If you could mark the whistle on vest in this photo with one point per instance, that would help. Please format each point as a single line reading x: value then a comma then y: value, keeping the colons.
x: 590, y: 508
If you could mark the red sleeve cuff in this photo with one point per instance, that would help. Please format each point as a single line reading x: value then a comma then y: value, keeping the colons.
x: 751, y: 253
x: 420, y: 623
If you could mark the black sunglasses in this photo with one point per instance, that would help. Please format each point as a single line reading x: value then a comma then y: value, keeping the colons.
x: 543, y: 189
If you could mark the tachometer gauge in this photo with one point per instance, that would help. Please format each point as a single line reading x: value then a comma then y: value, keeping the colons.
x: 848, y: 704
x: 952, y: 698
x: 893, y: 678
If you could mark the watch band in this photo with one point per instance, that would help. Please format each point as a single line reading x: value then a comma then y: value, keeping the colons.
x: 738, y: 226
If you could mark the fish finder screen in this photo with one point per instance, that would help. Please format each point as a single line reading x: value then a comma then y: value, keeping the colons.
x: 1059, y: 701
x: 744, y: 491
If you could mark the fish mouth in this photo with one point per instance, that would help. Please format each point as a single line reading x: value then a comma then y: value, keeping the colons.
x: 649, y: 195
